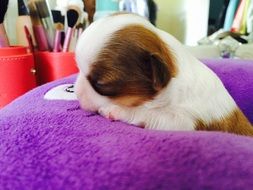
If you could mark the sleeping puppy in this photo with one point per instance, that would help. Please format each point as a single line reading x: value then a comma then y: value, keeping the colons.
x: 133, y: 72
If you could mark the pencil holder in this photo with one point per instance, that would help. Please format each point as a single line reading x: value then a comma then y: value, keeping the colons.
x: 13, y: 51
x: 54, y: 65
x: 17, y: 74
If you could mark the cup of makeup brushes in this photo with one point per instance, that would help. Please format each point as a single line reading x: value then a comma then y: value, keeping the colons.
x: 17, y: 73
x: 51, y: 66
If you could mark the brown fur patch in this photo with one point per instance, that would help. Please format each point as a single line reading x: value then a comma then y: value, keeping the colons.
x: 236, y: 122
x: 90, y: 6
x: 130, y: 101
x: 134, y: 63
x: 121, y: 13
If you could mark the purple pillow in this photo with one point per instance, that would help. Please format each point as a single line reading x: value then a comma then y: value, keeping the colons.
x: 53, y: 144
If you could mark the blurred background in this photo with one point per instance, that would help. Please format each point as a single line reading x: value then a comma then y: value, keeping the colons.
x: 188, y: 20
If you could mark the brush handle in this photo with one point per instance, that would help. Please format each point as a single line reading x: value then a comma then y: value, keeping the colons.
x: 79, y: 32
x: 4, y: 42
x: 67, y: 39
x: 29, y: 39
x: 41, y: 38
x: 21, y: 22
x: 49, y: 29
x: 57, y: 41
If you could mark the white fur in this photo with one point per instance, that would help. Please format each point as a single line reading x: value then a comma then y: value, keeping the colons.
x: 89, y: 99
x: 196, y: 93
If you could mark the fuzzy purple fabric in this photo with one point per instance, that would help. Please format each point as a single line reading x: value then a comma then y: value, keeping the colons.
x: 56, y: 145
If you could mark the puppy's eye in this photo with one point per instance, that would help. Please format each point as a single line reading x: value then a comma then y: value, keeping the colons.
x: 105, y: 88
x: 99, y: 84
x: 95, y: 82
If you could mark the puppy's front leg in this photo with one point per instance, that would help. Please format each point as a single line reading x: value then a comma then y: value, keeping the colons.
x: 115, y: 112
x: 172, y: 121
x: 151, y: 119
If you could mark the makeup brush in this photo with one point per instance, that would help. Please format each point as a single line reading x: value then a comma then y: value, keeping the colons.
x: 82, y: 24
x: 46, y: 20
x: 59, y: 27
x: 74, y: 11
x: 29, y: 39
x: 3, y: 36
x: 58, y: 17
x: 80, y: 28
x: 23, y: 20
x: 73, y: 41
x: 38, y: 29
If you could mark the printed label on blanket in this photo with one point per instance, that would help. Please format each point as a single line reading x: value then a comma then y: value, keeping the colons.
x: 61, y: 92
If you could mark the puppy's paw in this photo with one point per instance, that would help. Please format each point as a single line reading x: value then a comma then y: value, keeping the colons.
x: 111, y: 112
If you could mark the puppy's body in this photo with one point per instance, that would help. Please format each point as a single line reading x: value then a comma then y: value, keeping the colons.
x: 134, y: 72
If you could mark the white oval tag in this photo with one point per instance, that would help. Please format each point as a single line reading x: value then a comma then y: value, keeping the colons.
x: 61, y: 92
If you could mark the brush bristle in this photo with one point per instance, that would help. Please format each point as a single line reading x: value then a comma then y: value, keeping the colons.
x: 59, y: 26
x: 80, y: 25
x: 22, y: 9
x: 3, y: 9
x: 42, y: 8
x: 57, y: 17
x: 33, y: 13
x: 72, y: 17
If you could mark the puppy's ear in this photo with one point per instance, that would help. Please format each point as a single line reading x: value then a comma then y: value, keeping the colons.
x: 160, y: 72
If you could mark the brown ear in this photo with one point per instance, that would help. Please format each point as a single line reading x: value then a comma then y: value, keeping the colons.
x: 160, y: 72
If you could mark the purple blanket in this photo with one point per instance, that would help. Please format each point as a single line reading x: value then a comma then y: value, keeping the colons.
x: 56, y: 145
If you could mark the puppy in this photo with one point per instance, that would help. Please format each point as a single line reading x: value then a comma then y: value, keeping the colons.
x: 136, y: 73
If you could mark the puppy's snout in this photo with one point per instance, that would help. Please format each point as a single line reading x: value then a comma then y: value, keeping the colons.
x: 85, y: 102
x: 88, y: 98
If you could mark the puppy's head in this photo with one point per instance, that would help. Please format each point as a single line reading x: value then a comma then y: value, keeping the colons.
x: 129, y: 66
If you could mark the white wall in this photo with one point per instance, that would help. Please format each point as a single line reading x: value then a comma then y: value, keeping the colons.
x: 197, y: 12
x: 187, y: 20
x: 10, y: 21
